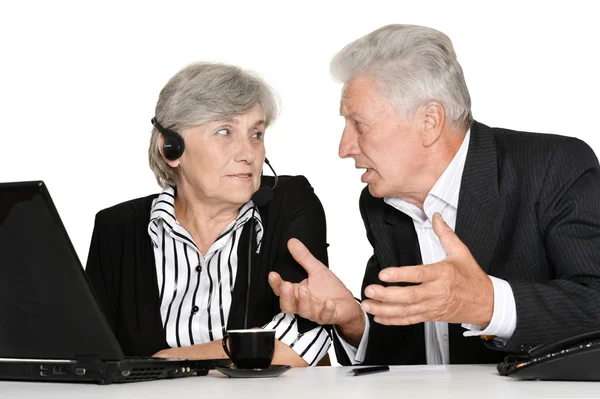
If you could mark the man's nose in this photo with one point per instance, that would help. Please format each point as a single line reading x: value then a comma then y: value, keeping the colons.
x: 348, y: 143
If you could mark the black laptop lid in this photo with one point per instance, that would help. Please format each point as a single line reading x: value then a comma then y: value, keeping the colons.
x: 47, y: 308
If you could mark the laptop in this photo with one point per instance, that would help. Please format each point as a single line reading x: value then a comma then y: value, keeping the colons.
x: 51, y: 325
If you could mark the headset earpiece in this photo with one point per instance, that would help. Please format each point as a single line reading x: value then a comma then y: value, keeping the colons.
x: 173, y: 147
x: 173, y: 144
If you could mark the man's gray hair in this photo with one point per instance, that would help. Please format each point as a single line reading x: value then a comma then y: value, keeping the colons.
x: 411, y: 65
x: 204, y: 92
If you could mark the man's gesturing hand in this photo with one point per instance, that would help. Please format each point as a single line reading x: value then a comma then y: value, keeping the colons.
x: 321, y: 297
x: 454, y: 290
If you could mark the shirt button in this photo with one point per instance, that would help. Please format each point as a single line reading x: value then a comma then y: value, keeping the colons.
x: 198, y: 268
x: 195, y: 309
x: 445, y: 337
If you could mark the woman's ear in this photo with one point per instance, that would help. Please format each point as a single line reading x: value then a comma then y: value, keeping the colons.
x: 434, y: 118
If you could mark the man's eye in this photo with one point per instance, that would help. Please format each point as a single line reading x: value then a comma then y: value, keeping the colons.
x: 359, y: 126
x: 223, y: 132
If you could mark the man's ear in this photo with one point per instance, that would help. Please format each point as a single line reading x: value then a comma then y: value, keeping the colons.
x: 159, y: 143
x: 433, y: 119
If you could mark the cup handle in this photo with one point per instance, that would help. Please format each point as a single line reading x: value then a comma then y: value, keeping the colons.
x: 224, y: 342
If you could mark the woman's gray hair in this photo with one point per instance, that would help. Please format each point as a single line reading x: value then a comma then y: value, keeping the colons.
x: 204, y: 92
x: 411, y: 65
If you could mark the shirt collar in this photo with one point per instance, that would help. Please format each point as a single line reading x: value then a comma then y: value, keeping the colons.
x: 163, y: 207
x: 163, y: 210
x: 444, y: 192
x: 447, y: 187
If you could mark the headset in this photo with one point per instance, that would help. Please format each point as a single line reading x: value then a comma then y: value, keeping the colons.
x: 173, y: 144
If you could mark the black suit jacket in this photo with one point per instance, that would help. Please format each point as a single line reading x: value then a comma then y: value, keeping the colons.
x: 528, y: 210
x: 122, y: 269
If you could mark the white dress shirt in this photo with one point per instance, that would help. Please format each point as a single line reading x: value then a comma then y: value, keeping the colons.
x: 443, y: 198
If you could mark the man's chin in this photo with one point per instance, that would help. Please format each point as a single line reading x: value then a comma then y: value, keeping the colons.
x: 374, y: 191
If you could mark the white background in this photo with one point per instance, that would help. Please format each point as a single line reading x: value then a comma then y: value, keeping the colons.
x: 79, y: 81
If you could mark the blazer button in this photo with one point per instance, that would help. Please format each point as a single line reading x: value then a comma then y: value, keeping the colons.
x: 198, y: 268
x: 195, y: 309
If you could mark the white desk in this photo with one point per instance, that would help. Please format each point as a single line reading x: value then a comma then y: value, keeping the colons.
x: 405, y: 382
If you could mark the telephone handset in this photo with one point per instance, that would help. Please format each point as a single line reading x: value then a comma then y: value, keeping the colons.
x: 574, y: 358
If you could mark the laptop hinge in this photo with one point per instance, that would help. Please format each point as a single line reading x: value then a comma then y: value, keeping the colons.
x: 88, y: 359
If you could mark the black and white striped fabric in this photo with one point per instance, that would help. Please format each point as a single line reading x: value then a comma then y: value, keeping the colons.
x: 196, y: 290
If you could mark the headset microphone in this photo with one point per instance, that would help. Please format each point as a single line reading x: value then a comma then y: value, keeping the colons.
x: 264, y: 194
x: 261, y: 197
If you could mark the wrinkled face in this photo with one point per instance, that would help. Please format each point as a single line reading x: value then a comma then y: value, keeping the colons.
x: 223, y: 159
x: 388, y: 148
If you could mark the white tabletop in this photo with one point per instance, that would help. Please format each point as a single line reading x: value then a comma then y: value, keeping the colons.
x: 410, y: 382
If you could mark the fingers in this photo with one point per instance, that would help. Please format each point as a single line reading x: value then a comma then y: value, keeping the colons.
x: 404, y: 295
x: 162, y: 354
x: 309, y: 308
x: 303, y: 256
x: 449, y: 240
x: 287, y: 299
x: 400, y: 305
x: 401, y: 321
x: 397, y: 314
x: 328, y: 312
x: 304, y: 302
x: 275, y: 282
x: 410, y: 274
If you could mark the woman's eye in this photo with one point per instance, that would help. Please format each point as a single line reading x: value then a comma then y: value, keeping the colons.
x: 258, y: 135
x: 223, y: 132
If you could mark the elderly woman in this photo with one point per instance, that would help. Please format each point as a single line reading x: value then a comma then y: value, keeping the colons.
x: 171, y: 270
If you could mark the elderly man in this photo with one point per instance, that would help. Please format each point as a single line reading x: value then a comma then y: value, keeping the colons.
x: 476, y: 231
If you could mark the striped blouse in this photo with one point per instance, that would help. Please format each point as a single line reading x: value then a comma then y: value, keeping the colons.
x: 196, y: 290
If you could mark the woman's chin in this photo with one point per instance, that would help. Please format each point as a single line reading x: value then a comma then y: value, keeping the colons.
x: 239, y: 193
x: 240, y: 197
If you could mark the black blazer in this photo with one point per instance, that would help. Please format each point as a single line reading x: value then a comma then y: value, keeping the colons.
x: 528, y: 210
x: 122, y: 269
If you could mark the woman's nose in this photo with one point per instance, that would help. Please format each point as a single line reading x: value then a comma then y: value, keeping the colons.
x: 246, y: 151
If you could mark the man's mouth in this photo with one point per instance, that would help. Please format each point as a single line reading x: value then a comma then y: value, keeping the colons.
x: 365, y: 176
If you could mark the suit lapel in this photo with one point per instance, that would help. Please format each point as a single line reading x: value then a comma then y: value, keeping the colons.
x: 400, y: 246
x: 480, y: 209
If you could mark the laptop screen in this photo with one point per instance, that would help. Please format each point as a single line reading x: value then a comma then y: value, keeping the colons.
x: 47, y: 308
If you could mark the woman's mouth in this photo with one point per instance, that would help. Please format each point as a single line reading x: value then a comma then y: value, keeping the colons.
x: 242, y: 176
